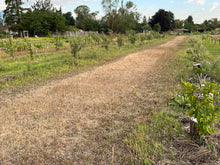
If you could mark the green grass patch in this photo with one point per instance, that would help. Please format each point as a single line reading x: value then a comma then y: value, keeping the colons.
x: 148, y: 139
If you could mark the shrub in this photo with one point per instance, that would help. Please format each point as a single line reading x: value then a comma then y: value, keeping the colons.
x: 131, y: 36
x: 30, y: 48
x: 58, y: 43
x: 105, y: 42
x: 75, y: 46
x: 120, y: 41
x: 201, y: 104
x: 9, y: 47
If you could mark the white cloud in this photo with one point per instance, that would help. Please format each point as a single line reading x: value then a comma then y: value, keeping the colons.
x: 214, y: 6
x: 58, y: 7
x: 2, y: 6
x: 197, y: 2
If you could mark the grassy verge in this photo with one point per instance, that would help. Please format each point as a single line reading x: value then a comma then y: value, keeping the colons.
x: 152, y: 139
x: 149, y: 139
x: 21, y: 71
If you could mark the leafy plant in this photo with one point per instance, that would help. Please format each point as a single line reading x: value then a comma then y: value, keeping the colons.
x: 75, y: 46
x: 105, y: 42
x: 37, y: 46
x: 201, y: 99
x: 10, y: 47
x: 142, y: 38
x: 30, y: 48
x: 120, y: 41
x: 131, y: 36
x: 58, y: 43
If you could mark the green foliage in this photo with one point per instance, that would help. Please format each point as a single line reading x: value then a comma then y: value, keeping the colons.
x: 189, y: 24
x: 69, y: 19
x: 105, y: 42
x: 48, y: 65
x: 147, y: 27
x: 30, y: 48
x: 164, y: 18
x: 96, y: 38
x: 120, y: 18
x: 148, y: 139
x: 42, y: 19
x: 201, y: 99
x: 120, y: 41
x: 85, y: 19
x: 75, y: 46
x: 196, y: 49
x: 142, y: 38
x: 131, y: 36
x: 9, y: 47
x: 12, y: 14
x: 157, y: 27
x: 215, y: 69
x: 58, y: 43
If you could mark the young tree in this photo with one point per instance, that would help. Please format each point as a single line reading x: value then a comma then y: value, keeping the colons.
x: 147, y: 27
x: 179, y: 23
x: 157, y: 27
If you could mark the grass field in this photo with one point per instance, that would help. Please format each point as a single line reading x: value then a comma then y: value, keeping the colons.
x: 21, y: 70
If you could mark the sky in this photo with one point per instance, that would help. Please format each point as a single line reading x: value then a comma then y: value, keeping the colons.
x: 199, y: 9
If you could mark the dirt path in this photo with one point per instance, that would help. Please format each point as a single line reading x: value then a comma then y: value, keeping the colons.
x: 47, y: 125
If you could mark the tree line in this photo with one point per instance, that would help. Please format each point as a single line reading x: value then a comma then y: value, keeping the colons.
x: 42, y: 18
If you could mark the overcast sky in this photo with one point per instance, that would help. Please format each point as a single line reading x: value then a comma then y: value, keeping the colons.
x: 199, y: 9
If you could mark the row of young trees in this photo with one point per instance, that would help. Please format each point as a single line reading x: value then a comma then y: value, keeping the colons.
x: 43, y: 18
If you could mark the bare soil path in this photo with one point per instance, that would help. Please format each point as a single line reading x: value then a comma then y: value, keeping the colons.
x: 49, y: 124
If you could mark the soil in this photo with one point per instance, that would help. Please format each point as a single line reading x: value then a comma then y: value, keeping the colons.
x: 65, y: 121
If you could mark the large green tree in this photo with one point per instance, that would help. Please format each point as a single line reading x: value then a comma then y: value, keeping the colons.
x: 12, y: 14
x: 189, y: 24
x: 164, y: 18
x: 43, y: 18
x: 85, y: 19
x: 121, y: 18
x: 110, y: 8
x: 209, y: 25
x: 69, y: 19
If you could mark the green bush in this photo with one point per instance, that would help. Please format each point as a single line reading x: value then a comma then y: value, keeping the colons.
x: 75, y: 46
x: 120, y: 41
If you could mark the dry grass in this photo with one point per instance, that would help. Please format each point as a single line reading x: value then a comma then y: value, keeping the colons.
x: 56, y: 123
